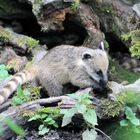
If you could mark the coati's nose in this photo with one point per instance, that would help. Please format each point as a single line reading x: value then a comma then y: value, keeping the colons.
x: 103, y: 82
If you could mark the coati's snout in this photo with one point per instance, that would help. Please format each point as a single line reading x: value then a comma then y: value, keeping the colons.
x: 101, y: 86
x: 103, y: 83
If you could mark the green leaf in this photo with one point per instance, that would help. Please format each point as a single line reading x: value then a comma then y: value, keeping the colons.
x: 35, y: 117
x: 63, y: 111
x: 124, y: 123
x: 68, y: 114
x: 17, y: 101
x: 90, y: 116
x: 19, y: 91
x: 3, y: 74
x: 45, y: 110
x: 75, y: 96
x: 89, y: 135
x: 43, y: 116
x: 135, y: 121
x: 43, y: 130
x: 129, y: 113
x: 2, y: 67
x: 51, y: 122
x: 66, y: 120
x: 136, y: 130
x: 48, y: 119
x: 26, y: 92
x: 55, y: 125
x: 14, y: 127
x: 81, y: 108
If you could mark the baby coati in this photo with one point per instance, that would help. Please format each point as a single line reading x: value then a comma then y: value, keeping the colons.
x: 80, y: 66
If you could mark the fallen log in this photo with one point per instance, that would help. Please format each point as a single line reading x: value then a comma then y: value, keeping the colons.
x: 21, y: 42
x: 118, y: 89
x: 14, y: 112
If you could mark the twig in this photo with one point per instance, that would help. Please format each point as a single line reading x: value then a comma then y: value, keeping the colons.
x: 103, y: 133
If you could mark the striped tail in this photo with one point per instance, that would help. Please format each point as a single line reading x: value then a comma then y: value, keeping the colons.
x: 18, y: 79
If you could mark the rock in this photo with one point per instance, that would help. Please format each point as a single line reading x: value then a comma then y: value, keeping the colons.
x: 9, y: 57
x: 116, y: 17
x: 136, y: 8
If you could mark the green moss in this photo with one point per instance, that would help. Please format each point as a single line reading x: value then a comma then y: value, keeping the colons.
x: 5, y: 35
x: 119, y: 73
x: 27, y: 41
x: 37, y: 4
x: 110, y: 108
x: 75, y: 5
x: 134, y: 38
x: 129, y: 98
x: 34, y: 91
x: 106, y: 9
x: 8, y: 36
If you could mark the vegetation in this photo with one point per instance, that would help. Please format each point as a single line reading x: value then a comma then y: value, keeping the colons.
x: 30, y: 42
x: 5, y: 34
x: 127, y: 126
x: 8, y: 36
x: 4, y: 71
x: 37, y: 5
x: 110, y: 108
x: 12, y: 125
x: 27, y: 94
x: 134, y: 38
x: 131, y: 120
x: 83, y: 107
x: 46, y: 117
x: 75, y: 5
x: 123, y: 110
x: 119, y: 74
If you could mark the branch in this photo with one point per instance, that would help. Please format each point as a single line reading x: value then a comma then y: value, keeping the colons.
x: 118, y: 89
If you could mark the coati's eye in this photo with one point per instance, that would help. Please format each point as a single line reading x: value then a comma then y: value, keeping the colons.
x: 86, y: 56
x: 99, y: 72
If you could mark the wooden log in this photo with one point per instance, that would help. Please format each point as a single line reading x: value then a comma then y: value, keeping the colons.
x: 21, y: 42
x: 14, y: 112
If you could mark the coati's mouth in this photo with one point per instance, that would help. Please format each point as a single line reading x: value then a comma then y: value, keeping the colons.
x: 96, y: 82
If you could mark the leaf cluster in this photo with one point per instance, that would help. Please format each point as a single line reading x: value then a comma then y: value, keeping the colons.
x: 30, y: 93
x: 83, y: 107
x: 46, y: 117
x: 4, y: 71
x: 129, y: 98
x: 134, y: 38
x: 75, y: 5
x: 21, y: 96
x: 131, y: 120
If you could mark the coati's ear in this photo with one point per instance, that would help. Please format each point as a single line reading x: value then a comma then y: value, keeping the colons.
x: 101, y: 46
x: 86, y: 55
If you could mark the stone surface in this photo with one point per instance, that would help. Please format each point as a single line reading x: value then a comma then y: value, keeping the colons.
x: 116, y: 16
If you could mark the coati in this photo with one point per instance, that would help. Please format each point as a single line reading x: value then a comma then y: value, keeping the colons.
x: 80, y: 66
